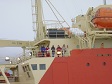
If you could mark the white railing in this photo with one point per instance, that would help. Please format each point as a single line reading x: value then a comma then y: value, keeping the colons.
x: 38, y: 54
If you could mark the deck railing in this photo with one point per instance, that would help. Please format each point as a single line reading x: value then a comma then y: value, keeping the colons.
x: 39, y: 54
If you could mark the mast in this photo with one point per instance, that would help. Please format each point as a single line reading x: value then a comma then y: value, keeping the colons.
x: 104, y: 2
x: 39, y: 20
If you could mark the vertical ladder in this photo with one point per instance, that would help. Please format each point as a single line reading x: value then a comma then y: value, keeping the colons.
x: 38, y: 19
x: 34, y: 15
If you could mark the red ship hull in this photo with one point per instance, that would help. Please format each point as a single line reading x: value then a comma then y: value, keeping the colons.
x: 88, y: 66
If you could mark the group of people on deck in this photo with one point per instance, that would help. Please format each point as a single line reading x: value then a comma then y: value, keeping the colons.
x: 60, y: 50
x: 45, y: 51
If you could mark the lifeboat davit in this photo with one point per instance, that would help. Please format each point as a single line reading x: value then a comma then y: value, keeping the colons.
x: 103, y: 18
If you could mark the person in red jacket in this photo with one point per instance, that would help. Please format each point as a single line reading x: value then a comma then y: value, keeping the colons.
x: 47, y: 52
x: 47, y: 48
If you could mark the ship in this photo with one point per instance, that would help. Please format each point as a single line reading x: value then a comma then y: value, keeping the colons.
x: 85, y: 59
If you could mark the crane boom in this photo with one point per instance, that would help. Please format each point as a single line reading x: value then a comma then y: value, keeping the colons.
x: 15, y: 43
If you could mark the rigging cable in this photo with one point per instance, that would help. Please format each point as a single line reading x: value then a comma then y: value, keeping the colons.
x: 54, y: 13
x: 58, y: 13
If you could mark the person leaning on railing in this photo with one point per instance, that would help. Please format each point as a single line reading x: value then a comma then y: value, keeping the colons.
x: 47, y: 52
x: 43, y: 49
x: 53, y: 50
x: 63, y: 50
x: 59, y: 50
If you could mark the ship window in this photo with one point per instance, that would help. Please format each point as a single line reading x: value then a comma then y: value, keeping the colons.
x: 34, y: 66
x: 42, y: 67
x: 104, y: 63
x: 88, y: 64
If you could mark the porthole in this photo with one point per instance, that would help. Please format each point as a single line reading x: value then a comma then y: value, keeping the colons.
x: 109, y: 54
x: 104, y: 63
x: 88, y: 64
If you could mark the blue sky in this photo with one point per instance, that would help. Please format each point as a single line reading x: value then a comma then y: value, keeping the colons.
x: 16, y: 18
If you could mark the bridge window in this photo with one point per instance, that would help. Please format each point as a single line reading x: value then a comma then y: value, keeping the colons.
x: 34, y: 66
x: 55, y: 33
x: 42, y: 67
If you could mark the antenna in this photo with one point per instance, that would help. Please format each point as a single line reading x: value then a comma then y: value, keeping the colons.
x: 104, y: 2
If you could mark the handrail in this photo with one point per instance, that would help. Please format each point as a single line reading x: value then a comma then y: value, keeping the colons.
x: 38, y: 54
